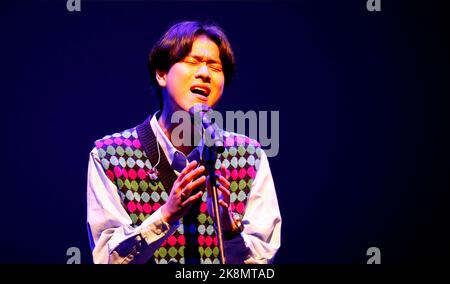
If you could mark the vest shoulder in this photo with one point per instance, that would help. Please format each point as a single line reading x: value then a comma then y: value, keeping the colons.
x: 117, y: 138
x: 232, y: 139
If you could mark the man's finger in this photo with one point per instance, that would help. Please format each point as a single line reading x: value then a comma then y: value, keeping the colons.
x: 192, y: 199
x: 187, y: 169
x: 224, y: 182
x: 223, y: 169
x: 193, y: 185
x: 223, y: 204
x: 224, y: 191
x: 191, y: 175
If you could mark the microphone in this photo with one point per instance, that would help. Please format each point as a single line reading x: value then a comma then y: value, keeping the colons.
x: 214, y: 146
x: 214, y: 137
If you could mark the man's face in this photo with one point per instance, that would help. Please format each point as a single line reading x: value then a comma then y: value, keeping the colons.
x: 198, y: 78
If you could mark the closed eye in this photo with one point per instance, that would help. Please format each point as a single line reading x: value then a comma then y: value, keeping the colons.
x: 191, y: 60
x: 215, y: 67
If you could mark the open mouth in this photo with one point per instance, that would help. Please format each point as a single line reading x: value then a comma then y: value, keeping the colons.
x: 199, y: 90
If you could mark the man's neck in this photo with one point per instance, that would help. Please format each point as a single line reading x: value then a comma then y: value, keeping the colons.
x: 168, y: 126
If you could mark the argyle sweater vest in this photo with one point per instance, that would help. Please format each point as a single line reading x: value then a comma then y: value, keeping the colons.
x: 127, y: 159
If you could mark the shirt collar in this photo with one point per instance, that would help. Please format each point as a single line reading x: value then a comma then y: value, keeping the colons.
x: 165, y: 142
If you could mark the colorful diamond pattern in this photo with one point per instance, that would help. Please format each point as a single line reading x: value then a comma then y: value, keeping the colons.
x: 127, y: 165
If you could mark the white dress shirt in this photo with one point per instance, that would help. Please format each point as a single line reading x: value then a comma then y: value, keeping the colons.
x: 110, y: 227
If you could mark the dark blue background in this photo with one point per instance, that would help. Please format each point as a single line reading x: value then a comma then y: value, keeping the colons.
x: 362, y: 98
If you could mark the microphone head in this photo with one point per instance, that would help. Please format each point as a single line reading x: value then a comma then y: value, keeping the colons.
x: 199, y: 108
x: 213, y: 133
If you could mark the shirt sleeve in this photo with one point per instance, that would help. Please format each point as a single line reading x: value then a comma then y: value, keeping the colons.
x: 112, y: 237
x: 262, y: 219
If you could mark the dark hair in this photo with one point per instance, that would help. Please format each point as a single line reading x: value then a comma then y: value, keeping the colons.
x: 176, y: 44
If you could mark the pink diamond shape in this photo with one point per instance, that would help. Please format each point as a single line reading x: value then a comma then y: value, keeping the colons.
x: 251, y: 172
x: 234, y: 174
x: 242, y: 173
x: 142, y: 174
x: 201, y: 240
x: 117, y: 172
x: 131, y: 207
x: 240, y: 208
x: 98, y: 144
x: 208, y: 240
x: 147, y: 208
x: 136, y: 143
x: 132, y: 174
x: 172, y: 240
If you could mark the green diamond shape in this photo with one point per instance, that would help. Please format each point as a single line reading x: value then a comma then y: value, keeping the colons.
x: 162, y: 252
x: 225, y: 153
x: 181, y: 251
x: 233, y: 186
x: 173, y: 252
x: 127, y: 184
x: 138, y: 153
x: 208, y: 252
x: 120, y: 151
x: 134, y: 185
x: 134, y: 218
x: 202, y: 218
x: 216, y: 251
x: 143, y: 185
x: 119, y: 183
x: 153, y: 185
x: 249, y: 183
x: 242, y: 184
x: 110, y: 150
x: 129, y: 151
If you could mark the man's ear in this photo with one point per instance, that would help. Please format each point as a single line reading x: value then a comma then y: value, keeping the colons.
x: 161, y: 78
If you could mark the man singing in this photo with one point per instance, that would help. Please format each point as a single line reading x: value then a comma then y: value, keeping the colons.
x: 146, y: 195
